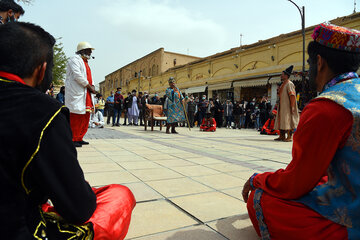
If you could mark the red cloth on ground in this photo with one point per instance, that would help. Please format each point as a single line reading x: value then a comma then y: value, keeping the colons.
x: 79, y: 124
x: 112, y: 216
x: 208, y: 125
x: 323, y: 128
x: 291, y: 220
x: 89, y: 103
x: 268, y: 127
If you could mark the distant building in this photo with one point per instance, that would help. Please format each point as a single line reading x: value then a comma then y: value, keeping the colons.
x: 138, y: 71
x: 239, y: 73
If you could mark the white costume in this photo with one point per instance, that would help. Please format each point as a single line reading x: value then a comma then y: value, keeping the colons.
x: 134, y: 111
x: 96, y: 118
x: 75, y: 85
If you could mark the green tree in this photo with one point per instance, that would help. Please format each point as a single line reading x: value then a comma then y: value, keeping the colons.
x: 60, y: 61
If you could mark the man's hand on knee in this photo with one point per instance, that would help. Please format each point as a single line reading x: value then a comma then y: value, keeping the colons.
x: 246, y: 189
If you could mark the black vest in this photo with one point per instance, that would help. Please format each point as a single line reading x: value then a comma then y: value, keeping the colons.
x: 24, y: 113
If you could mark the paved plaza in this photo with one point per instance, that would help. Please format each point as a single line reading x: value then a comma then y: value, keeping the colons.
x: 187, y: 186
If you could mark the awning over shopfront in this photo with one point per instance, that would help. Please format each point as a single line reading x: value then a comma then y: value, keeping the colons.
x: 277, y: 79
x: 219, y: 86
x: 198, y: 89
x: 251, y: 83
x: 274, y: 80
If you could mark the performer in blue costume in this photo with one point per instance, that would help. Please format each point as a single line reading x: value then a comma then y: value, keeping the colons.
x: 175, y: 108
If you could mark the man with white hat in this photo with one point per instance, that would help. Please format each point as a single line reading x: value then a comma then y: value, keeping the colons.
x: 79, y: 89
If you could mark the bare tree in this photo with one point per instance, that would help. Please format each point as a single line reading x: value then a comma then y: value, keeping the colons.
x: 26, y: 1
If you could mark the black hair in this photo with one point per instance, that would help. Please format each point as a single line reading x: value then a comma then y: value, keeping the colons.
x: 25, y: 47
x: 338, y: 61
x: 6, y: 5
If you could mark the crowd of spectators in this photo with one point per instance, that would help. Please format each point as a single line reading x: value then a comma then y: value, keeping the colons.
x: 251, y: 114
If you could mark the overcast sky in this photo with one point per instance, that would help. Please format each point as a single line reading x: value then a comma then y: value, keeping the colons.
x: 122, y: 31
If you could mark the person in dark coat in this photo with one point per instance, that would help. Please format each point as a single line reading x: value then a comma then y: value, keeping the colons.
x: 218, y: 113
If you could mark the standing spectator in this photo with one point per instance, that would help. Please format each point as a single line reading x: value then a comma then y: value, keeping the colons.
x: 144, y: 100
x: 127, y: 105
x: 156, y: 100
x: 218, y: 112
x: 257, y: 118
x: 263, y: 111
x: 287, y: 118
x: 250, y: 107
x: 211, y: 107
x: 242, y: 116
x: 110, y: 107
x: 79, y: 89
x: 237, y: 111
x: 133, y: 110
x: 203, y: 105
x: 101, y: 104
x: 10, y: 11
x: 228, y: 112
x: 196, y: 118
x: 141, y: 112
x: 191, y: 111
x: 61, y: 95
x: 118, y: 100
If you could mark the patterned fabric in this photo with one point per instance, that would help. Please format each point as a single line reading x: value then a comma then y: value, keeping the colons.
x: 1, y: 20
x: 338, y: 200
x: 337, y: 37
x: 252, y: 180
x: 260, y: 216
x: 340, y: 78
x: 175, y: 108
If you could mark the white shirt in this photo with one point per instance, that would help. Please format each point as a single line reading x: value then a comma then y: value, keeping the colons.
x: 75, y: 85
x: 96, y: 118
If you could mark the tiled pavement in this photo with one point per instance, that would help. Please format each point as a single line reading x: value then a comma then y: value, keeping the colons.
x: 187, y: 186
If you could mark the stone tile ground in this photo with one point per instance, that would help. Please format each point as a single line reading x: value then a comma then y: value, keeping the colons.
x: 187, y: 186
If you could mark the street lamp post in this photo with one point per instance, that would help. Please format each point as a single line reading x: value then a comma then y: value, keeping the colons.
x: 302, y: 14
x: 139, y: 73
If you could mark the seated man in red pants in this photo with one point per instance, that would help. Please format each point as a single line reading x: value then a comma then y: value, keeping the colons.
x: 317, y: 196
x: 208, y: 124
x: 268, y: 127
x: 38, y: 160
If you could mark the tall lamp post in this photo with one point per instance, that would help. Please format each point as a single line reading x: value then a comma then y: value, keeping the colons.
x: 302, y: 14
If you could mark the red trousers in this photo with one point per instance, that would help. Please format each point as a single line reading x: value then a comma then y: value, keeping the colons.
x: 79, y: 124
x: 287, y: 219
x: 111, y: 219
x: 208, y: 129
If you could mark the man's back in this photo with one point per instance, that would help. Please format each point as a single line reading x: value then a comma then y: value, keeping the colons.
x: 33, y: 128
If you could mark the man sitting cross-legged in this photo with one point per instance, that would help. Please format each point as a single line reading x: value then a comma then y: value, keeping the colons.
x: 38, y: 160
x: 317, y: 196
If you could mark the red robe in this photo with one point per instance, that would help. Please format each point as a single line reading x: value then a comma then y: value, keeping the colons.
x: 268, y: 128
x: 323, y: 128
